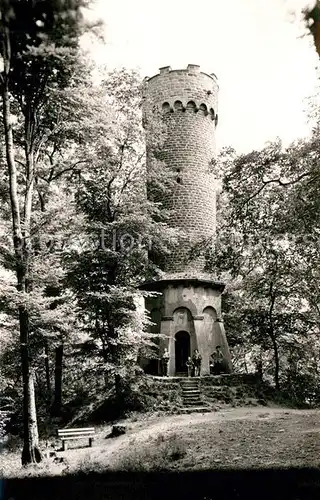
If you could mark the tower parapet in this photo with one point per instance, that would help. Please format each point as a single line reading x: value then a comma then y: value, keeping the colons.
x: 177, y: 90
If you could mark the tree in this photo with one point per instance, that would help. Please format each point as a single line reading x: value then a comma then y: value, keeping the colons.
x: 39, y: 43
x: 269, y: 255
x: 312, y: 18
x: 121, y: 228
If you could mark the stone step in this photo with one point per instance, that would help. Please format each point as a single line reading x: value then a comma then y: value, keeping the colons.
x: 191, y: 394
x: 192, y: 398
x: 190, y: 389
x: 192, y: 403
x: 196, y: 409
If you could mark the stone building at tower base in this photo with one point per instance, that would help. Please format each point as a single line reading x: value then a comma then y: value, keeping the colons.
x: 187, y: 314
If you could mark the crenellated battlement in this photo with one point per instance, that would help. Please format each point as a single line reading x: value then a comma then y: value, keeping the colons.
x: 182, y: 90
x: 192, y: 69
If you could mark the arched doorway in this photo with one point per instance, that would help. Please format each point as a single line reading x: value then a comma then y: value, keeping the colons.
x: 182, y: 351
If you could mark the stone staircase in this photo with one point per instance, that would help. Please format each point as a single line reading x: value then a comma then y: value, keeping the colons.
x: 191, y: 396
x: 182, y: 394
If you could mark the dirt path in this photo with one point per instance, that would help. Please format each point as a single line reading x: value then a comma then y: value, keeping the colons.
x: 108, y: 450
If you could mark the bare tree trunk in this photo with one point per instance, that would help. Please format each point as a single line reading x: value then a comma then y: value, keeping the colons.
x: 245, y: 366
x: 276, y: 364
x: 273, y: 339
x: 57, y: 403
x: 47, y: 368
x: 46, y: 342
x: 31, y: 451
x: 118, y: 386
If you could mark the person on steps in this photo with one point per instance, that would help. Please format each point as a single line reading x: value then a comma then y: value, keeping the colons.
x: 197, y: 363
x: 189, y: 364
x: 165, y: 362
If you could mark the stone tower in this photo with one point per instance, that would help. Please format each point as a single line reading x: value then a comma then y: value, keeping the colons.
x: 188, y: 309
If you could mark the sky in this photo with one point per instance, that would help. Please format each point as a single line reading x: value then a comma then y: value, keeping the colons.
x: 266, y: 70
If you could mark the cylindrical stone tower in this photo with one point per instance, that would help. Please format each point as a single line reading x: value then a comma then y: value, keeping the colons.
x: 188, y: 311
x: 187, y: 101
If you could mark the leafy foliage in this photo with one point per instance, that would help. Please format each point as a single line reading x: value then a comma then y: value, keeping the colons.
x: 121, y: 227
x: 267, y: 248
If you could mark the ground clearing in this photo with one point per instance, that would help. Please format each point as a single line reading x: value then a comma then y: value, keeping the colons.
x: 239, y: 438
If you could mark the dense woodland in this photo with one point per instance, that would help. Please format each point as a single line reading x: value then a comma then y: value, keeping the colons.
x: 78, y: 235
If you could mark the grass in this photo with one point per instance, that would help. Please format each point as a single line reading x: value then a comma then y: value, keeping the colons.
x: 246, y: 438
x: 290, y: 440
x: 157, y: 456
x: 10, y: 467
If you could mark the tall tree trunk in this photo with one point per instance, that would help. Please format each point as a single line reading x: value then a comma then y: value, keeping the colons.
x: 118, y: 386
x: 114, y: 351
x: 57, y: 403
x: 273, y: 337
x: 47, y: 368
x: 46, y: 342
x: 245, y: 366
x: 31, y: 451
x: 276, y: 364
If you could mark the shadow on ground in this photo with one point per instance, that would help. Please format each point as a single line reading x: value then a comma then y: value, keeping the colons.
x: 205, y: 485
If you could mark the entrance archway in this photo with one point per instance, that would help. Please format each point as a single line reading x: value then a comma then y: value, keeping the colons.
x: 182, y: 351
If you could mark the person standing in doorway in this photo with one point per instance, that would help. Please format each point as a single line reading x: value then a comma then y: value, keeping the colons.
x: 197, y: 363
x: 189, y: 364
x: 165, y: 362
x: 218, y: 361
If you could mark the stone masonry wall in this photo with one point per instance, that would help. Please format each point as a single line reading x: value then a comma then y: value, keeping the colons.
x: 187, y: 102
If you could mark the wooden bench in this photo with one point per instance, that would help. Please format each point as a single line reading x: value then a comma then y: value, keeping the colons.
x: 68, y: 434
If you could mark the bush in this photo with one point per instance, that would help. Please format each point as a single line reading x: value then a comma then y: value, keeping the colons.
x: 4, y: 419
x: 87, y: 466
x: 303, y: 389
x: 13, y: 443
x: 174, y: 448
